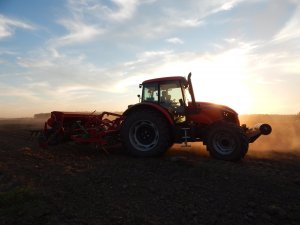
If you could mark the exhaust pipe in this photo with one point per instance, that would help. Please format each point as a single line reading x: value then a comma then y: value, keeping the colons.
x: 257, y: 130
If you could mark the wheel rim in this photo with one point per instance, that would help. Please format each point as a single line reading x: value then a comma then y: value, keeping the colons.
x: 144, y: 135
x: 224, y: 143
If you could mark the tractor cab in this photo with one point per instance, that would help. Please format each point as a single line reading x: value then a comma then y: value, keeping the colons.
x: 168, y: 92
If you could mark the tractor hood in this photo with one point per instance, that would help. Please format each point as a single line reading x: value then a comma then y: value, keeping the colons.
x: 212, y: 106
x: 208, y: 113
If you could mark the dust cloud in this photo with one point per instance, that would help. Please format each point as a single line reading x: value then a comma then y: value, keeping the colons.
x: 285, y: 136
x: 283, y: 141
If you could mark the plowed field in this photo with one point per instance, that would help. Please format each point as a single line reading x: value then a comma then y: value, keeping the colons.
x: 78, y: 184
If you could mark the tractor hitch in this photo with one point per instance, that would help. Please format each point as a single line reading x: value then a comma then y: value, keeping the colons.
x: 256, y: 131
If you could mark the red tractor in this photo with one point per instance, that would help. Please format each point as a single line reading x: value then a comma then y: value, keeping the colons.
x: 163, y: 116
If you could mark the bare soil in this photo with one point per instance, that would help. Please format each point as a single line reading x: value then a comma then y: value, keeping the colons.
x: 78, y: 184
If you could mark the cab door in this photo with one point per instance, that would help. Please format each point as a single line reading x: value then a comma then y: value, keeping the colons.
x: 171, y: 98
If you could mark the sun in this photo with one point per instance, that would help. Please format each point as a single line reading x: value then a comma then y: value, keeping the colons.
x: 218, y: 78
x: 232, y: 93
x: 224, y: 80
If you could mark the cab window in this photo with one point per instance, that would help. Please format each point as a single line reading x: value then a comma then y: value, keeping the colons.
x: 150, y: 92
x: 171, y: 94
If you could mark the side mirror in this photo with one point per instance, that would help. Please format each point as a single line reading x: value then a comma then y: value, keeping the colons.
x: 139, y: 96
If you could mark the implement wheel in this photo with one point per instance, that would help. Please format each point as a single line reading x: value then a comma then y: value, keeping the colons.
x: 145, y: 133
x: 227, y: 141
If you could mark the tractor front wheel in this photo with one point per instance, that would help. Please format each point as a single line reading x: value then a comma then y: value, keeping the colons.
x: 227, y: 141
x: 145, y: 134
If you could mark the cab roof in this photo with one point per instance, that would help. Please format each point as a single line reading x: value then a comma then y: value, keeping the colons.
x: 161, y: 79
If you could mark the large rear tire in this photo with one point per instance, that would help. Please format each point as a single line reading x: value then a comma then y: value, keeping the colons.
x: 146, y: 133
x: 227, y: 141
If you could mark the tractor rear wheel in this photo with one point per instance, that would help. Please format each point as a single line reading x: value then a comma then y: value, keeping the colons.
x: 227, y: 141
x: 145, y: 133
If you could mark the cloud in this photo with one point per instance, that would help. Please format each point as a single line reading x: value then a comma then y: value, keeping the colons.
x: 8, y: 26
x: 151, y: 54
x: 291, y: 29
x: 175, y: 40
x: 63, y: 72
x: 55, y: 75
x: 170, y: 16
x: 60, y: 71
x: 33, y: 63
x: 81, y: 23
x: 108, y: 18
x: 133, y: 45
x: 79, y: 32
x: 126, y: 9
x: 115, y: 10
x: 7, y: 52
x: 90, y: 19
x: 9, y: 91
x: 227, y: 6
x: 190, y: 23
x: 63, y: 78
x: 252, y: 70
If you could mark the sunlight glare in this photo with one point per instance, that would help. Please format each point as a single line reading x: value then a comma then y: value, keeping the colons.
x: 220, y: 79
x: 224, y: 81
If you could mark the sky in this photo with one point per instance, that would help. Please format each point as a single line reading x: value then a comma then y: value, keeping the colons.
x: 86, y: 55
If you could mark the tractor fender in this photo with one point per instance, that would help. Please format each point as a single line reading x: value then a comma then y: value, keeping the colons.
x: 150, y: 106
